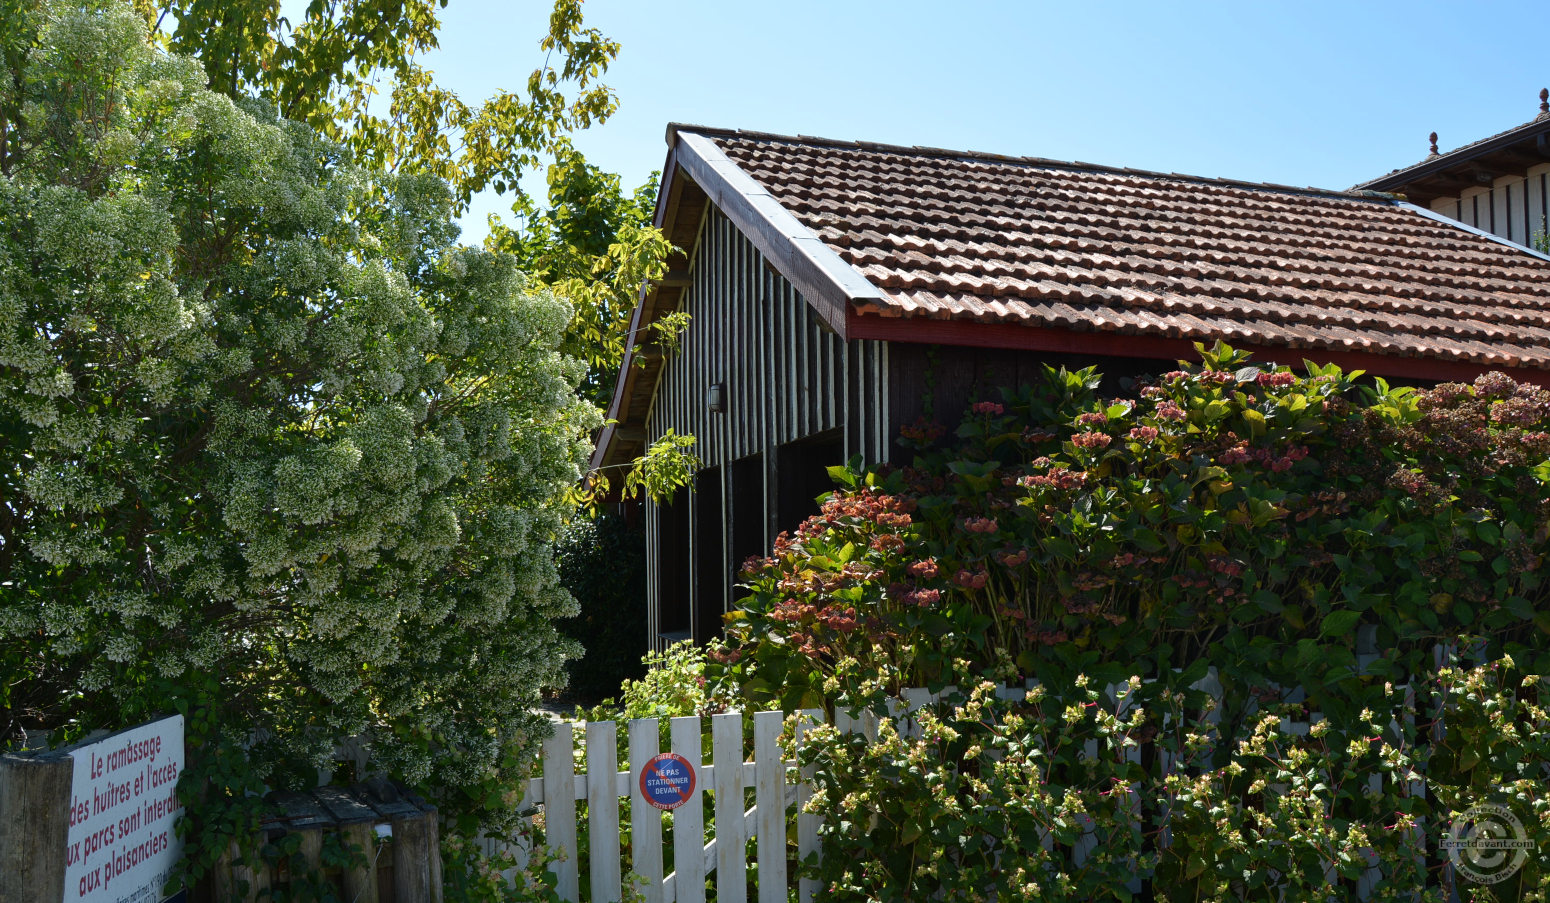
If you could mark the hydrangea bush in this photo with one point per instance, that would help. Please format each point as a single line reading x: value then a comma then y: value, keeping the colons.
x: 274, y: 451
x: 1314, y: 542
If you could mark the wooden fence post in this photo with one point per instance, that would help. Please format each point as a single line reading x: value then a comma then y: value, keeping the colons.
x: 34, y: 823
x: 726, y: 731
x: 645, y: 821
x: 689, y: 820
x: 603, y: 810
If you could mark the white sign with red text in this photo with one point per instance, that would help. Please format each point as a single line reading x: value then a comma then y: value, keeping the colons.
x: 123, y: 803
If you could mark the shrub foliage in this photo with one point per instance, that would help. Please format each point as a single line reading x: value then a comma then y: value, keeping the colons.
x: 273, y: 450
x: 1309, y: 540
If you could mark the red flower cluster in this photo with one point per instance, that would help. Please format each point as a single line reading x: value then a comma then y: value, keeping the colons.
x: 924, y: 570
x: 923, y: 430
x: 975, y: 579
x: 988, y: 407
x: 1276, y: 380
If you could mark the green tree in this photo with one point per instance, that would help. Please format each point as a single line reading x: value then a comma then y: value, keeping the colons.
x: 332, y: 69
x: 593, y: 244
x: 274, y: 450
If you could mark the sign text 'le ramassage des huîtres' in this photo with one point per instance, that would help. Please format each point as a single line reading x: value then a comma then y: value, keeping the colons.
x: 123, y: 802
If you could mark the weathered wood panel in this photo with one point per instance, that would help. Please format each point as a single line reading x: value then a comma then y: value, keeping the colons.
x: 1513, y: 207
x: 784, y: 376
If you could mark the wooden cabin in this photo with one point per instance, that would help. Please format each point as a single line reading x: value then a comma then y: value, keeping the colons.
x: 838, y: 291
x: 1499, y: 184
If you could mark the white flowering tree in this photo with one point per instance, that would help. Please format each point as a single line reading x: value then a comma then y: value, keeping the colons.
x: 273, y: 450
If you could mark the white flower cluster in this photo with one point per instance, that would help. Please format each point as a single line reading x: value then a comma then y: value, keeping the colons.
x: 260, y: 422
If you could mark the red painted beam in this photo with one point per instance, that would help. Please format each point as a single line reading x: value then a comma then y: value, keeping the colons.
x: 973, y: 334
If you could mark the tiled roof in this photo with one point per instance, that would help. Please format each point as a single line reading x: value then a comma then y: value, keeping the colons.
x: 1023, y: 241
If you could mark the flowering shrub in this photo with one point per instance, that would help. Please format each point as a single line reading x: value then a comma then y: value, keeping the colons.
x: 1088, y: 795
x: 1311, y: 538
x: 1253, y: 517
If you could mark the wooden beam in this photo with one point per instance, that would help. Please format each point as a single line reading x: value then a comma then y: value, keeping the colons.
x: 974, y: 334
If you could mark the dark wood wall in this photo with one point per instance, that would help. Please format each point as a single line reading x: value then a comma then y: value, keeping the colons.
x: 939, y: 382
x: 796, y: 396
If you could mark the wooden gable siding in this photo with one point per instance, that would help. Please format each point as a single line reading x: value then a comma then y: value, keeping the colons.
x: 1515, y: 207
x: 786, y: 377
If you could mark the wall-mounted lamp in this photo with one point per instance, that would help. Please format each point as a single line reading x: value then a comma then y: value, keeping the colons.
x: 716, y: 398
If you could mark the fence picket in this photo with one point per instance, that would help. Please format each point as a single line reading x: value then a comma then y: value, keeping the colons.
x: 560, y: 814
x: 770, y: 798
x: 807, y: 823
x: 603, y: 810
x: 645, y: 821
x: 559, y: 787
x: 731, y: 832
x: 689, y: 819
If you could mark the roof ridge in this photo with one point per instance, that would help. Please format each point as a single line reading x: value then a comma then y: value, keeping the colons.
x: 1358, y: 193
x: 1436, y: 161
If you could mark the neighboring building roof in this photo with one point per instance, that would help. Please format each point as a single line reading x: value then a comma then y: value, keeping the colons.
x: 929, y: 245
x: 1474, y: 165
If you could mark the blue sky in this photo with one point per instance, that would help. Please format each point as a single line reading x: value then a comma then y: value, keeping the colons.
x: 1311, y: 93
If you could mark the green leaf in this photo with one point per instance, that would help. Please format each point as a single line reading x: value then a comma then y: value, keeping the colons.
x: 1339, y: 623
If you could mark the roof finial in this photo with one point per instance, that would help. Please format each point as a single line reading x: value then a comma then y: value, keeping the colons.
x: 1544, y: 101
x: 1433, y: 138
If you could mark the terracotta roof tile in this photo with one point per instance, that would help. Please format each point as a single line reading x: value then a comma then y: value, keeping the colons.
x: 1068, y: 246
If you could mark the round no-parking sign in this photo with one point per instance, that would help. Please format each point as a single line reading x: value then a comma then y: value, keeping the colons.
x: 667, y: 781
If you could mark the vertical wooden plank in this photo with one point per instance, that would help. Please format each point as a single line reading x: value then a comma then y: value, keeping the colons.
x: 653, y: 598
x: 770, y: 797
x: 884, y: 406
x: 603, y: 810
x: 731, y: 833
x: 645, y: 821
x: 807, y: 823
x: 360, y: 881
x: 34, y: 824
x: 788, y: 355
x: 560, y: 812
x: 689, y: 819
x: 411, y: 848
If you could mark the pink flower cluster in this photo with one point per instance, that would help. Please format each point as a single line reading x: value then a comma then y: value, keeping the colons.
x: 1057, y: 478
x: 1013, y: 559
x: 1276, y: 380
x: 1241, y: 453
x: 1143, y: 433
x: 1091, y: 440
x: 980, y: 524
x: 987, y: 407
x: 975, y: 579
x: 925, y: 570
x: 923, y: 598
x: 1169, y: 410
x: 1091, y: 418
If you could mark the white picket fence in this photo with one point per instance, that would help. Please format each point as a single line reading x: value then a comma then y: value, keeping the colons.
x: 777, y: 789
x: 779, y: 792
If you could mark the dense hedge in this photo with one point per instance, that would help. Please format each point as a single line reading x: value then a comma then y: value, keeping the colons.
x: 1254, y: 517
x: 1267, y: 524
x: 602, y: 562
